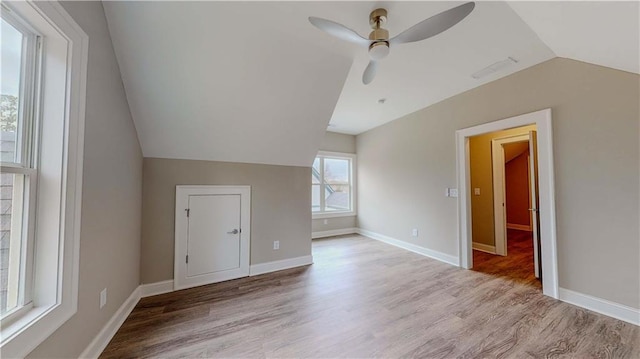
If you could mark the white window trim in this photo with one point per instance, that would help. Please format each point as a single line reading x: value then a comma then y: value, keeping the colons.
x: 49, y: 18
x: 25, y: 163
x: 352, y: 181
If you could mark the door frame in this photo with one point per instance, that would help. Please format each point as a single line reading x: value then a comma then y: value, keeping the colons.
x: 546, y: 187
x: 499, y: 189
x: 181, y: 281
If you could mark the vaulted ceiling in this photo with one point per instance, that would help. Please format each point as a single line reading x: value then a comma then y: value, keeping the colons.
x: 255, y: 82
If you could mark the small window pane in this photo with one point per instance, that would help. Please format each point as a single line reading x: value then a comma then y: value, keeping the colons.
x: 336, y: 170
x: 337, y: 198
x: 11, y: 210
x: 315, y: 198
x: 11, y: 59
x: 315, y: 171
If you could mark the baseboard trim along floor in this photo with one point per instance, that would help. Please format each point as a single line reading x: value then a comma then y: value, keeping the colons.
x: 97, y: 345
x: 443, y: 257
x: 333, y: 232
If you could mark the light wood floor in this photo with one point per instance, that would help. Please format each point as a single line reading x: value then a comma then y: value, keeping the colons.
x: 362, y: 298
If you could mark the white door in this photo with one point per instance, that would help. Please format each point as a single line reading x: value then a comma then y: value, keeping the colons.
x: 213, y: 239
x: 535, y: 214
x: 212, y: 234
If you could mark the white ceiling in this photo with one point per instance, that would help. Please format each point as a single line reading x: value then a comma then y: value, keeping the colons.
x: 605, y: 33
x: 255, y: 82
x: 420, y: 74
x: 237, y: 82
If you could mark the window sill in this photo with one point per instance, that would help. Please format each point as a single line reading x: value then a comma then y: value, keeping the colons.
x: 27, y: 332
x: 332, y: 215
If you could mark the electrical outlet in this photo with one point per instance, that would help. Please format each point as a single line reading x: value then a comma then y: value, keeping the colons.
x: 326, y: 221
x: 476, y: 191
x: 453, y: 192
x: 276, y: 245
x: 103, y: 298
x: 414, y: 232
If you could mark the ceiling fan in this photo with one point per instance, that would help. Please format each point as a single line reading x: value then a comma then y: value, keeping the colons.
x: 378, y: 42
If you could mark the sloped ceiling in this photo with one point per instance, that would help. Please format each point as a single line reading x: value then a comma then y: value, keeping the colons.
x: 605, y: 33
x: 514, y: 149
x: 255, y: 82
x: 238, y: 82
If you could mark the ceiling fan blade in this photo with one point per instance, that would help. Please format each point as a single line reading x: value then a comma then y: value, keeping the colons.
x: 370, y: 72
x: 338, y: 30
x: 434, y: 25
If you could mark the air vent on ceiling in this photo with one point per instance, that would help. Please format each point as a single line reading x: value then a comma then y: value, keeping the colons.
x: 494, y: 68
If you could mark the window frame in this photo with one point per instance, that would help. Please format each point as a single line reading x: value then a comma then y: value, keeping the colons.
x: 351, y: 157
x: 59, y: 189
x: 26, y: 150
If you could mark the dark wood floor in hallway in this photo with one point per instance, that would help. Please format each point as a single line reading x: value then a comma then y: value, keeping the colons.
x: 516, y: 266
x: 363, y: 298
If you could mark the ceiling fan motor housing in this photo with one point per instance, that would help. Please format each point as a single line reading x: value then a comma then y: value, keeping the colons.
x: 379, y: 37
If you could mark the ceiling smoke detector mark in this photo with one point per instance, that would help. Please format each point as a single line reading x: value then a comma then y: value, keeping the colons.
x: 495, y: 67
x: 382, y: 101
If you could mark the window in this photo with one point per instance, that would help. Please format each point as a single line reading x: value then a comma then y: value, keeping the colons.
x: 20, y: 79
x: 43, y: 71
x: 333, y: 185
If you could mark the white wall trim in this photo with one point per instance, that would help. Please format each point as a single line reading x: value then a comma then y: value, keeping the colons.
x: 151, y: 289
x: 520, y: 227
x: 602, y: 306
x: 333, y: 232
x: 275, y: 266
x: 97, y: 345
x: 443, y: 257
x: 484, y: 248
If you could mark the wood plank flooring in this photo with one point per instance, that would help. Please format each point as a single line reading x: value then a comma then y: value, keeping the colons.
x: 516, y: 266
x: 363, y: 298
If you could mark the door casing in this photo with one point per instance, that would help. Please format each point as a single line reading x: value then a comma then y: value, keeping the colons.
x: 546, y: 188
x: 181, y: 278
x: 499, y: 190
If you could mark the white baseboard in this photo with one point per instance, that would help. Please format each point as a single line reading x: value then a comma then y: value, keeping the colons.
x: 484, y: 248
x: 602, y: 306
x: 443, y: 257
x: 256, y: 269
x: 520, y: 227
x: 333, y: 232
x: 151, y: 289
x: 97, y: 345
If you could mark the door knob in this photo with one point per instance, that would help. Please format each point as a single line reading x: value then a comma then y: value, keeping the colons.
x: 235, y: 231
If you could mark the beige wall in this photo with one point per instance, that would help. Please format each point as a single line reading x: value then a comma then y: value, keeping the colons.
x: 482, y: 216
x: 404, y: 167
x: 516, y: 183
x: 111, y: 194
x: 336, y: 142
x: 280, y: 208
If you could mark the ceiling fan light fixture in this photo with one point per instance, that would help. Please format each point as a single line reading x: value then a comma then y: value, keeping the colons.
x: 379, y: 41
x: 379, y: 50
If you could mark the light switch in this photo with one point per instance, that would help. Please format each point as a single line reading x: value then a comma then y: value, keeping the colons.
x: 476, y: 191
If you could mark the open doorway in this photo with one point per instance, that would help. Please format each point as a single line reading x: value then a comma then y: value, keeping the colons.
x: 479, y: 232
x: 503, y: 202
